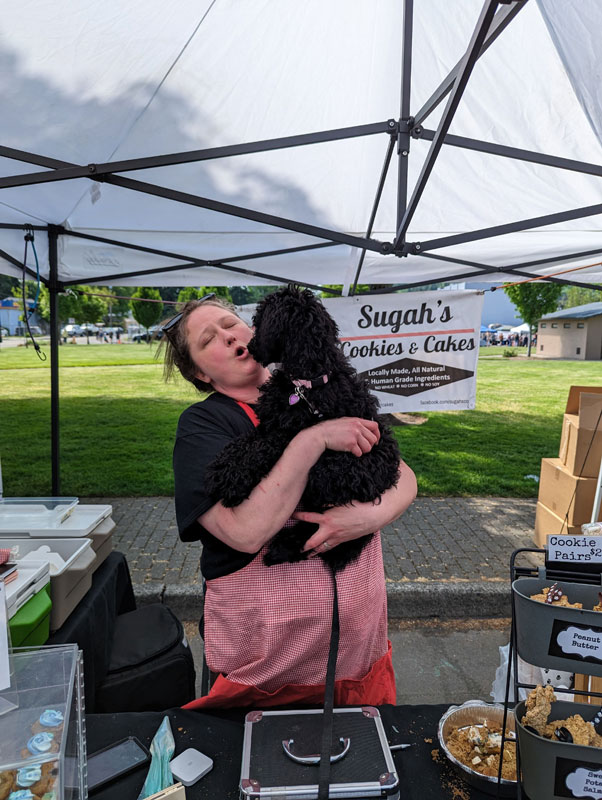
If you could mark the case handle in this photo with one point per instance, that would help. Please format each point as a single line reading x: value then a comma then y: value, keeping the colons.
x: 315, y: 759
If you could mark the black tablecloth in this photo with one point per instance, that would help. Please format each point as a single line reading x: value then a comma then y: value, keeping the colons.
x: 92, y: 622
x: 424, y: 772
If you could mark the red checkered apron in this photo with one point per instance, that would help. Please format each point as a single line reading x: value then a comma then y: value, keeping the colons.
x: 267, y: 632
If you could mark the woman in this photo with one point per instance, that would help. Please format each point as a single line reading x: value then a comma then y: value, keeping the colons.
x: 267, y: 629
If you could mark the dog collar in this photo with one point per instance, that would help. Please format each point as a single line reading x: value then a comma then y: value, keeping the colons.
x: 312, y: 383
x: 299, y: 394
x: 300, y: 383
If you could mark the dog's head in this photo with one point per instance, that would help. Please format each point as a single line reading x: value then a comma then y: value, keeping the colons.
x: 293, y: 328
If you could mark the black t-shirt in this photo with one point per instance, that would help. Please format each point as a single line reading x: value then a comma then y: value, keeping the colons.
x: 204, y: 430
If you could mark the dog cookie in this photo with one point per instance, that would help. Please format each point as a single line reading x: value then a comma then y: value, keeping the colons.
x: 38, y: 778
x: 22, y: 794
x: 7, y: 780
x: 39, y: 744
x: 27, y: 776
x: 47, y: 782
x: 50, y: 718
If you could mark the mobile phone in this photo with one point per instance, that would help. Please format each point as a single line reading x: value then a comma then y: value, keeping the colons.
x: 114, y: 761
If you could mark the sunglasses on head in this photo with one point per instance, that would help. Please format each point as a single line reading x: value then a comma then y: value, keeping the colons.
x: 169, y: 326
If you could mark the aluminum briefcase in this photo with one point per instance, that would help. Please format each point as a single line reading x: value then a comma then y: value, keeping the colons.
x: 281, y: 753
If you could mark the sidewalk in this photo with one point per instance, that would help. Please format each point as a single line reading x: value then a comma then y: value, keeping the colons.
x: 446, y: 557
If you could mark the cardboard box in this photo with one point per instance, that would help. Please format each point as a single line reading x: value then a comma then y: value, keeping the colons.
x: 581, y: 439
x: 548, y: 523
x: 565, y: 494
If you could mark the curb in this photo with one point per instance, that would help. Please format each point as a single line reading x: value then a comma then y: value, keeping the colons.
x: 406, y: 600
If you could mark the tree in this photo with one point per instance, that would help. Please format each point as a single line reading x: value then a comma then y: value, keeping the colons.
x: 7, y: 284
x: 579, y: 296
x: 78, y: 304
x: 188, y: 293
x: 115, y: 309
x: 146, y: 314
x: 361, y: 288
x: 192, y: 293
x: 67, y: 306
x: 91, y: 309
x: 533, y: 300
x: 31, y: 289
x: 243, y: 295
x: 218, y: 291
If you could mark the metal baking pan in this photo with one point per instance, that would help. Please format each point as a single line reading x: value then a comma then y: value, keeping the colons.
x: 476, y: 713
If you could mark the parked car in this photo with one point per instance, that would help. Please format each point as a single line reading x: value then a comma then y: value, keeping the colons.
x: 152, y: 334
x: 72, y: 330
x: 21, y: 330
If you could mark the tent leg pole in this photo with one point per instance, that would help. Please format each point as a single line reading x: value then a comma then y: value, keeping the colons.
x: 54, y: 359
x: 403, y: 142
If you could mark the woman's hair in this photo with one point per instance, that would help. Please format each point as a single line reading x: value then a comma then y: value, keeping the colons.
x: 174, y: 344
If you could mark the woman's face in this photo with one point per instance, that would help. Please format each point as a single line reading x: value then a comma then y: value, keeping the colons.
x: 218, y: 340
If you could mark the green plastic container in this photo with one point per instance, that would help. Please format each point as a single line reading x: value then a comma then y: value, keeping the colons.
x: 31, y: 624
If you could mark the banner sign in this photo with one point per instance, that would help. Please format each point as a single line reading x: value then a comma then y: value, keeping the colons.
x: 418, y: 351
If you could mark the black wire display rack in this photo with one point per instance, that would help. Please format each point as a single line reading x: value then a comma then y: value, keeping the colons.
x: 588, y: 575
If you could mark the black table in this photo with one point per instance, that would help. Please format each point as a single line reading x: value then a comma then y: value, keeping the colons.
x: 424, y: 772
x: 91, y: 624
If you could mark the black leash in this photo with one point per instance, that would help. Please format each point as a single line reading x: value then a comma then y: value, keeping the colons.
x: 328, y: 718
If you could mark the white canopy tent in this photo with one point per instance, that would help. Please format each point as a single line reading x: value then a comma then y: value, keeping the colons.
x: 90, y: 83
x: 213, y: 142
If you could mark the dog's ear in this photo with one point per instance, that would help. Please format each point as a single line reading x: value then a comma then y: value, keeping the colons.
x: 293, y: 327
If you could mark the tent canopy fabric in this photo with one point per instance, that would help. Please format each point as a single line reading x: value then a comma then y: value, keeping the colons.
x: 102, y: 82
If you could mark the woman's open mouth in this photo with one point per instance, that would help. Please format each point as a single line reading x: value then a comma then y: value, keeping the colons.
x: 241, y: 352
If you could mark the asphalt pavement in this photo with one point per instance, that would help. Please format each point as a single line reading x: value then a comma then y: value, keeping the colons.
x: 445, y: 558
x: 447, y: 576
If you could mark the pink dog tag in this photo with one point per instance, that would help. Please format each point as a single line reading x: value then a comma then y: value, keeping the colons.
x: 294, y: 398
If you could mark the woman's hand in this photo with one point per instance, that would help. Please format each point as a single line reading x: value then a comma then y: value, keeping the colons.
x: 343, y: 523
x: 337, y: 525
x: 346, y: 434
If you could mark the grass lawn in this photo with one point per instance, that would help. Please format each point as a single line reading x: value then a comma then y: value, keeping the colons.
x: 118, y: 421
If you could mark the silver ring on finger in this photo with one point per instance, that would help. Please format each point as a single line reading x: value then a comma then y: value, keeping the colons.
x: 325, y: 545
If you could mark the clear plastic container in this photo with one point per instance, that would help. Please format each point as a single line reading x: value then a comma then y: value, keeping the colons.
x: 31, y: 513
x: 45, y: 700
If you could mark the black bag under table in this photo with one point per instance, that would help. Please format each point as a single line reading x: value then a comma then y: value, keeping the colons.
x: 423, y: 770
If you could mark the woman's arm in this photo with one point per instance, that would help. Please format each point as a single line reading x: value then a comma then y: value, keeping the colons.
x: 342, y: 523
x: 248, y: 526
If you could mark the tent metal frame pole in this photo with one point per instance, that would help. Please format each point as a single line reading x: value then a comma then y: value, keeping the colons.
x: 375, y: 205
x: 64, y: 173
x: 500, y: 230
x: 466, y: 66
x: 249, y: 214
x: 405, y: 122
x: 501, y: 20
x: 12, y: 226
x: 514, y: 152
x: 54, y: 289
x: 463, y: 275
x: 555, y: 259
x: 187, y: 258
x: 189, y: 262
x: 19, y: 264
x: 215, y: 205
x: 161, y: 270
x: 510, y: 269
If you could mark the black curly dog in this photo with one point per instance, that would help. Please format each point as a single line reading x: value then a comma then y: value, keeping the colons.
x: 294, y: 330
